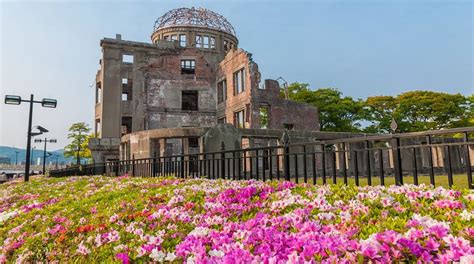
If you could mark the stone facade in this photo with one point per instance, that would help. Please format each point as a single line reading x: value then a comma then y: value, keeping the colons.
x: 189, y: 76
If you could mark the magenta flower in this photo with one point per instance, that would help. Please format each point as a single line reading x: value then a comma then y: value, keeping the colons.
x: 123, y: 257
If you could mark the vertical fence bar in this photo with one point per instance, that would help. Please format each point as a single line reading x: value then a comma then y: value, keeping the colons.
x: 415, y: 169
x: 213, y: 167
x: 369, y: 175
x: 296, y: 167
x: 449, y: 168
x: 313, y: 158
x: 430, y: 160
x: 277, y: 165
x: 133, y: 165
x: 344, y: 166
x: 270, y: 156
x: 240, y: 165
x: 251, y: 165
x: 234, y: 159
x: 286, y: 161
x: 323, y: 163
x: 382, y: 178
x: 467, y: 157
x: 334, y: 169
x: 245, y: 165
x: 305, y: 174
x: 397, y: 161
x: 256, y: 164
x: 356, y: 168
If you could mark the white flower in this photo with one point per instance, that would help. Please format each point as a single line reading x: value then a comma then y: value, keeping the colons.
x: 467, y: 259
x: 157, y: 255
x: 199, y: 231
x: 170, y: 257
x: 216, y: 253
x: 190, y: 260
x: 467, y: 216
x: 6, y: 215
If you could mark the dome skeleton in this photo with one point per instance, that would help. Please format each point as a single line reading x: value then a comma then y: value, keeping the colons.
x: 194, y: 17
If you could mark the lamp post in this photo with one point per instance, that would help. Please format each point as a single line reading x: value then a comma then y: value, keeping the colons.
x: 16, y: 100
x: 45, y: 140
x: 285, y: 86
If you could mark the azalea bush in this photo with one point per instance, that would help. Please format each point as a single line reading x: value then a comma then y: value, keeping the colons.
x: 125, y: 219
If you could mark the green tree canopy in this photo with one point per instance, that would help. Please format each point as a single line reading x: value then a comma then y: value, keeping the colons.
x: 413, y: 110
x: 336, y: 112
x: 79, y: 136
x: 418, y: 111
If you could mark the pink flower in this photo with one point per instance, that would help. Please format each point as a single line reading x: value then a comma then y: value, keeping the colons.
x: 123, y: 257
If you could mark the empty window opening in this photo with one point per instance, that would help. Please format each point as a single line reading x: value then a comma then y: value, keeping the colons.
x: 239, y: 119
x: 166, y: 37
x: 126, y: 125
x: 205, y: 42
x: 288, y: 126
x: 264, y: 117
x: 174, y: 37
x: 193, y: 142
x: 182, y: 40
x: 98, y: 95
x: 97, y: 127
x: 127, y: 58
x: 239, y: 81
x: 188, y: 66
x: 198, y: 41
x: 124, y: 81
x: 189, y: 100
x: 222, y: 120
x: 226, y: 45
x: 221, y: 91
x: 124, y: 96
x: 212, y: 42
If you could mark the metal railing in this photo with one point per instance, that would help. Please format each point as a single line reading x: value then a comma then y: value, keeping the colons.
x: 438, y: 155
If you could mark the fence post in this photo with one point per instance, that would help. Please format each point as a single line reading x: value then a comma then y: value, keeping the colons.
x: 223, y: 160
x: 397, y: 161
x: 133, y: 165
x: 153, y: 172
x: 468, y: 161
x: 286, y: 155
x: 181, y: 167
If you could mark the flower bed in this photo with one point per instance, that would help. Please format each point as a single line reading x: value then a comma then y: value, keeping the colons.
x: 100, y: 219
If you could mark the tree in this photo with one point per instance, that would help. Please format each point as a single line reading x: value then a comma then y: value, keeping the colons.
x: 379, y: 111
x: 336, y: 112
x: 79, y: 135
x: 418, y: 111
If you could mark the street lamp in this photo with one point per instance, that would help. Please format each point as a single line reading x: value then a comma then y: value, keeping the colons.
x: 285, y: 86
x: 16, y: 100
x: 45, y: 140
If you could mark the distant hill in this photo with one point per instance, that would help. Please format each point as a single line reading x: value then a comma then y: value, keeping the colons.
x: 10, y: 152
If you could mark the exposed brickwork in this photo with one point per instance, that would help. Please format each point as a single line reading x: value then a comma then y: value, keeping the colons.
x: 281, y: 111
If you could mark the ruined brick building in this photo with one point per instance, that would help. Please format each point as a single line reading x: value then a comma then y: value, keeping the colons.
x: 162, y: 97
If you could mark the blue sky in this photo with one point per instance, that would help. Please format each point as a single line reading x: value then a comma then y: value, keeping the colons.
x: 363, y: 48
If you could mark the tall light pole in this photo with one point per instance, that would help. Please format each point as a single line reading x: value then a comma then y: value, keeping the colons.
x: 16, y: 100
x: 45, y: 140
x: 285, y: 86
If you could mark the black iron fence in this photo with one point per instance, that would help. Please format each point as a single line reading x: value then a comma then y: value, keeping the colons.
x: 444, y: 156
